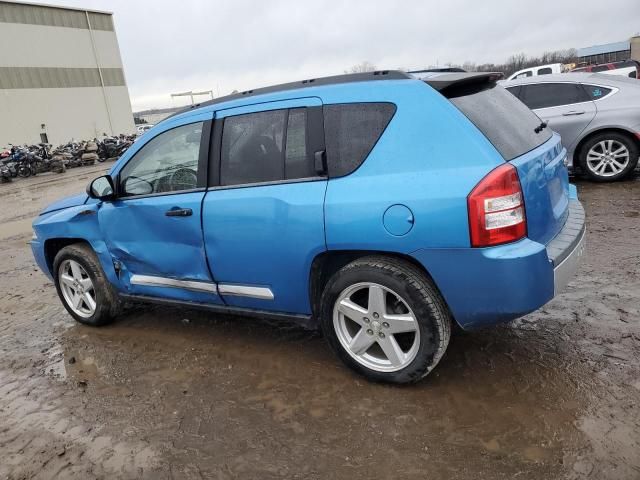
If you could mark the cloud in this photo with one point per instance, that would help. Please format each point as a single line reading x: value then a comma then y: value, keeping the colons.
x: 169, y: 46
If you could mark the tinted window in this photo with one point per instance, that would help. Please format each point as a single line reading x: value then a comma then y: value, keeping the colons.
x: 514, y: 90
x: 599, y: 68
x: 351, y: 132
x: 167, y: 163
x: 628, y: 63
x: 297, y: 163
x: 252, y: 147
x: 265, y: 147
x: 506, y: 122
x: 544, y: 95
x: 596, y: 92
x: 544, y: 71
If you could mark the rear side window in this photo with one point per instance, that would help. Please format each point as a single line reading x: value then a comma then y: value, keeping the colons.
x: 506, y: 122
x: 599, y: 68
x: 351, y: 132
x: 297, y: 163
x: 595, y: 92
x: 265, y: 147
x: 544, y: 71
x: 545, y: 95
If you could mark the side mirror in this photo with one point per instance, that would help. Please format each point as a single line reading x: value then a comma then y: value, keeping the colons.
x: 101, y: 188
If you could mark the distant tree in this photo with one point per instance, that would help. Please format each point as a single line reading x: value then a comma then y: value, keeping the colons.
x: 365, y: 66
x: 520, y: 60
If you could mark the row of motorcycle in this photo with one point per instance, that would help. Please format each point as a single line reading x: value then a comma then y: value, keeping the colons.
x: 28, y: 160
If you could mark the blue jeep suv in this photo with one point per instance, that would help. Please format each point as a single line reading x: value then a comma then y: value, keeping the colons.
x: 379, y: 207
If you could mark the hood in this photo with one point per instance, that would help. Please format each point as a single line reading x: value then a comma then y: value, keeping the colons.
x: 72, y: 201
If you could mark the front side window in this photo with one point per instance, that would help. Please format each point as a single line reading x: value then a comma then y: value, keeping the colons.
x: 167, y: 163
x: 526, y: 74
x: 545, y: 95
x: 265, y: 147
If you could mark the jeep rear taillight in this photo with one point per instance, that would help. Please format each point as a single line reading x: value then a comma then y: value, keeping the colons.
x: 496, y: 209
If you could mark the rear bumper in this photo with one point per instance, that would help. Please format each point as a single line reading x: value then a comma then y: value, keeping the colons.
x: 567, y: 248
x: 486, y: 286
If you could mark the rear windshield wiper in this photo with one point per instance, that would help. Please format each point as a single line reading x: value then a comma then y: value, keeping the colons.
x: 540, y: 127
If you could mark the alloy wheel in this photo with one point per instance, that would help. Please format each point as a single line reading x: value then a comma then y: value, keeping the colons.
x: 608, y: 158
x: 376, y: 327
x: 77, y: 288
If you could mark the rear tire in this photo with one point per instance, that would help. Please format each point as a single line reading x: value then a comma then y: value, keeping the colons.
x: 83, y: 287
x: 385, y: 319
x: 609, y: 156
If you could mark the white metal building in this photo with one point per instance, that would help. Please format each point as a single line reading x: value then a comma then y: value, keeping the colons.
x: 61, y: 75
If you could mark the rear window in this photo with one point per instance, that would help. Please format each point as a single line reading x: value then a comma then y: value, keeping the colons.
x: 351, y: 131
x: 626, y: 64
x: 506, y: 122
x: 595, y: 91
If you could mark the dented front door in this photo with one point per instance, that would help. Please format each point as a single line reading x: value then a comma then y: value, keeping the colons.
x: 153, y: 228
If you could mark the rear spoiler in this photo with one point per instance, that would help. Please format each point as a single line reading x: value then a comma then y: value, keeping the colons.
x: 446, y: 81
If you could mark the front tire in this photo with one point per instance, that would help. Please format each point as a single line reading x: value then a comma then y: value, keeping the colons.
x: 385, y: 319
x: 609, y: 156
x: 82, y: 286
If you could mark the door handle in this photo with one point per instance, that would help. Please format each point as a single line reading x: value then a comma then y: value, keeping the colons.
x: 573, y: 112
x: 320, y: 162
x: 179, y: 212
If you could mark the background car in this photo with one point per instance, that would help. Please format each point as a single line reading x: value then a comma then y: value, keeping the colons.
x: 143, y: 128
x: 597, y: 116
x: 627, y: 68
x: 535, y: 71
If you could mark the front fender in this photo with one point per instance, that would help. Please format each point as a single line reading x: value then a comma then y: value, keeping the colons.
x: 80, y: 222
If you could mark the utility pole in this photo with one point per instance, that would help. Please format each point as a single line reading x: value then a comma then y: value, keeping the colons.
x: 192, y: 94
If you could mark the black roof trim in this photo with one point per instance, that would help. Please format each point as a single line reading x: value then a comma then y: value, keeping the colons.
x: 442, y: 81
x: 312, y: 82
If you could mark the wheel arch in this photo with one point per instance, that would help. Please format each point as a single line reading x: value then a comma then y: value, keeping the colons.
x: 619, y: 130
x: 53, y: 245
x: 327, y: 263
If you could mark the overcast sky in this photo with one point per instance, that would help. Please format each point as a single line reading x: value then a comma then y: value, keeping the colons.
x: 221, y: 45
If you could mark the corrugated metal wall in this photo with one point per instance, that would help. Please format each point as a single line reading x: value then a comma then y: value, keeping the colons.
x: 51, y: 60
x: 54, y: 17
x: 48, y: 77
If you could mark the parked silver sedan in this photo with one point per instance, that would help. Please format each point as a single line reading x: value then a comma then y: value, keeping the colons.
x: 597, y: 116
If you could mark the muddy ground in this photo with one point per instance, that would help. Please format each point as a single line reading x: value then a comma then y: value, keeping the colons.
x: 170, y: 393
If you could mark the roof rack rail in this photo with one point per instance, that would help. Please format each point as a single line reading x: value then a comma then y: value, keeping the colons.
x: 311, y: 82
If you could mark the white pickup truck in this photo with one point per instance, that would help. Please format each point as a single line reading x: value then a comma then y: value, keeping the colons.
x: 541, y: 70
